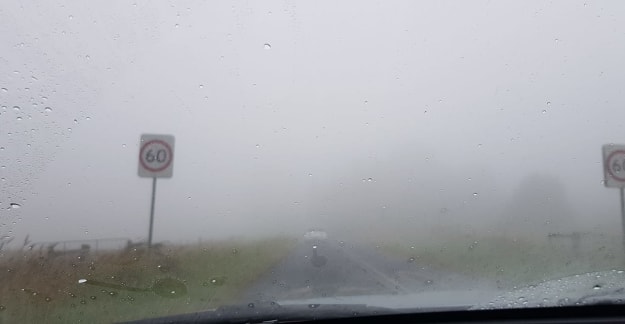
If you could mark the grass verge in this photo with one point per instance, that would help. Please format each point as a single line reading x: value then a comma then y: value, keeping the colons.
x: 38, y: 289
x: 513, y: 262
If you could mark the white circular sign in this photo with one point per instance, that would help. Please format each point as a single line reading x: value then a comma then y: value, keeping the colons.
x: 156, y: 155
x: 615, y: 165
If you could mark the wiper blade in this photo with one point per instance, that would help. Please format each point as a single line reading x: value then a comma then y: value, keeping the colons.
x: 272, y: 313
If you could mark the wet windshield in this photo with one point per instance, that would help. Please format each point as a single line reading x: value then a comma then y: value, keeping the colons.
x: 160, y: 158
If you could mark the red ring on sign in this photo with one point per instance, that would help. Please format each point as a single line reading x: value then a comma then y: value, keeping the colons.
x: 608, y: 165
x: 167, y: 147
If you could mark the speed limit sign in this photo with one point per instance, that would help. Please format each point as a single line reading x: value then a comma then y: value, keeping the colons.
x: 156, y: 156
x: 614, y: 165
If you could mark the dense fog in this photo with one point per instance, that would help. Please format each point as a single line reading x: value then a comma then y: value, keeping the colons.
x: 371, y: 120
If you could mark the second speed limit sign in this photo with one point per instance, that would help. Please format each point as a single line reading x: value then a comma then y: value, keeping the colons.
x: 156, y: 156
x: 614, y: 165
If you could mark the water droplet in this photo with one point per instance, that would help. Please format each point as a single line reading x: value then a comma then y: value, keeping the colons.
x: 15, y: 205
x: 548, y: 103
x: 70, y: 17
x: 19, y: 118
x: 5, y: 90
x: 47, y: 109
x: 310, y: 174
x: 123, y: 145
x: 189, y: 198
x: 596, y: 287
x: 544, y: 111
x: 201, y: 86
x: 556, y: 40
x: 82, y: 281
x: 475, y: 194
x: 267, y: 46
x: 88, y: 118
x: 75, y: 121
x: 16, y: 108
x: 177, y: 26
x: 250, y: 305
x: 257, y: 145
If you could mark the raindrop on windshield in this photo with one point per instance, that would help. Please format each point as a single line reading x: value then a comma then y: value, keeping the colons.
x: 16, y: 108
x: 47, y: 109
x: 15, y: 205
x: 267, y: 46
x: 5, y: 90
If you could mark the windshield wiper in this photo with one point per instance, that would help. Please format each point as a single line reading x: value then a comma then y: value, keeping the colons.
x: 273, y: 313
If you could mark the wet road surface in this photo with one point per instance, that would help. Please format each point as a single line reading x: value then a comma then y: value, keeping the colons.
x: 343, y: 269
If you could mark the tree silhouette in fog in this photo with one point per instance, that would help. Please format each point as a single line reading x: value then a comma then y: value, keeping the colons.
x: 537, y: 207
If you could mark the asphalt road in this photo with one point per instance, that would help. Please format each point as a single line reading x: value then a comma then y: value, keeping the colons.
x: 344, y: 269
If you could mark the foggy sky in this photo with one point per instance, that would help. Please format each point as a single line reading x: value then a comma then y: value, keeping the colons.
x: 283, y: 111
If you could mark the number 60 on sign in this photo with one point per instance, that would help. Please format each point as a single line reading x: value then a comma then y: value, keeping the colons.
x: 156, y: 156
x: 614, y: 165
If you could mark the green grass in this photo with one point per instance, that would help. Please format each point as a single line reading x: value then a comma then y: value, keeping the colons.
x: 513, y: 262
x: 37, y: 289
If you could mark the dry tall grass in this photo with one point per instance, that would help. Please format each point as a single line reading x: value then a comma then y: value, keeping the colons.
x: 36, y: 287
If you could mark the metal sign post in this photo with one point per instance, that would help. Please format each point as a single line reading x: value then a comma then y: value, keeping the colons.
x: 152, y: 212
x: 623, y: 214
x: 614, y: 174
x: 156, y: 160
